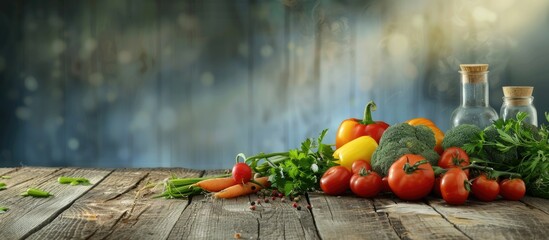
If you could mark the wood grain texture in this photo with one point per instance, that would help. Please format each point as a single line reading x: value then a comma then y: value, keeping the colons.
x: 28, y: 214
x: 207, y: 218
x: 7, y: 171
x: 149, y: 218
x: 115, y: 209
x: 539, y: 203
x: 495, y: 220
x: 336, y: 217
x: 416, y: 220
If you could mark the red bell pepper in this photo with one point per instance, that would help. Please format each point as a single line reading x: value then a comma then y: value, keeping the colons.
x: 353, y: 128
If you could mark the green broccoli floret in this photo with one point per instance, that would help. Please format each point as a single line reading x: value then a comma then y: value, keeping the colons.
x: 401, y: 139
x: 460, y: 135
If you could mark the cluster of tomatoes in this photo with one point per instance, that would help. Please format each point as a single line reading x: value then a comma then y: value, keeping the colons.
x: 456, y: 183
x: 411, y: 177
x: 360, y: 179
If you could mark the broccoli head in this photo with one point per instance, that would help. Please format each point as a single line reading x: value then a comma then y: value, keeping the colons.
x: 460, y: 135
x: 401, y: 139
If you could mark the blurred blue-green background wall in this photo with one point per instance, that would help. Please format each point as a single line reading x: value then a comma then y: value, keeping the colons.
x: 191, y: 83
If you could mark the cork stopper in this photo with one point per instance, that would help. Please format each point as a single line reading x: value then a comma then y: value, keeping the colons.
x: 474, y: 73
x: 518, y: 91
x: 518, y: 95
x: 474, y: 68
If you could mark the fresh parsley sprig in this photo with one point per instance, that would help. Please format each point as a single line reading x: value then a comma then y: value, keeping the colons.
x: 298, y: 170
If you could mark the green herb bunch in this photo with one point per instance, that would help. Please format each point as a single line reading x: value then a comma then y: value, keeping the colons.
x: 296, y: 171
x: 529, y: 146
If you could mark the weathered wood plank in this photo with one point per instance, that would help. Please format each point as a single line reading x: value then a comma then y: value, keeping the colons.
x: 416, y: 220
x: 335, y: 216
x: 93, y: 212
x: 7, y: 171
x: 539, y: 203
x: 495, y: 220
x: 23, y: 175
x: 207, y: 218
x: 279, y: 220
x: 28, y: 214
x: 115, y: 209
x: 147, y: 217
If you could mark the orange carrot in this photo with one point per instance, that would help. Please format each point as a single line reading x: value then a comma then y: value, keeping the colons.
x: 243, y: 189
x: 215, y: 184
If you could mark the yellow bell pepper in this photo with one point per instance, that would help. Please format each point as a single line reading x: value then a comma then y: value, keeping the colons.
x: 360, y: 148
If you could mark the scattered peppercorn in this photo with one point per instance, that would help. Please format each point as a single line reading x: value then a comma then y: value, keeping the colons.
x: 237, y: 235
x: 266, y: 200
x: 298, y: 208
x: 252, y: 203
x: 294, y: 205
x: 252, y: 208
x: 309, y: 207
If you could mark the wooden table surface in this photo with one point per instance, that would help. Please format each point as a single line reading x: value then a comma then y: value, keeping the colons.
x: 117, y: 206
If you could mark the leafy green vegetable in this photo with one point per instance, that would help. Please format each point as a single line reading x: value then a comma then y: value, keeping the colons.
x: 298, y: 170
x: 5, y: 177
x: 514, y: 137
x: 2, y: 186
x: 3, y: 209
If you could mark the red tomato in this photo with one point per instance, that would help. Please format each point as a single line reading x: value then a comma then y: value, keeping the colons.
x: 366, y: 185
x: 436, y: 187
x: 242, y: 173
x: 359, y: 164
x: 485, y: 189
x: 512, y: 189
x: 452, y: 186
x: 385, y: 187
x: 335, y: 180
x: 454, y: 157
x: 410, y: 178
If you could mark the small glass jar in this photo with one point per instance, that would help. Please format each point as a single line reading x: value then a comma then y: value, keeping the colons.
x: 519, y: 99
x: 474, y: 108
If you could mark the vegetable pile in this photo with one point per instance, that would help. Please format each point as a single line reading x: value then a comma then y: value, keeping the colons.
x: 410, y: 160
x: 516, y: 146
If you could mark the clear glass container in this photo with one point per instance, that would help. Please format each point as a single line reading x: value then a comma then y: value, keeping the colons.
x: 519, y: 99
x: 474, y: 108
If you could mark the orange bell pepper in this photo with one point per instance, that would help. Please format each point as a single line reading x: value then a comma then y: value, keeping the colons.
x: 439, y: 135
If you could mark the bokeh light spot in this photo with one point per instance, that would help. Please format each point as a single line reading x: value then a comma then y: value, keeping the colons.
x: 124, y: 57
x: 31, y: 84
x: 73, y: 144
x: 266, y: 51
x: 23, y: 113
x: 207, y: 79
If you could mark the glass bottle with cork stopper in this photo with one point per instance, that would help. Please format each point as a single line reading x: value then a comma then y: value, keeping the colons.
x: 474, y: 108
x: 519, y: 99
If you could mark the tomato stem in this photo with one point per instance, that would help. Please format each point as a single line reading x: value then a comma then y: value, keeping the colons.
x: 493, y: 173
x: 409, y: 169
